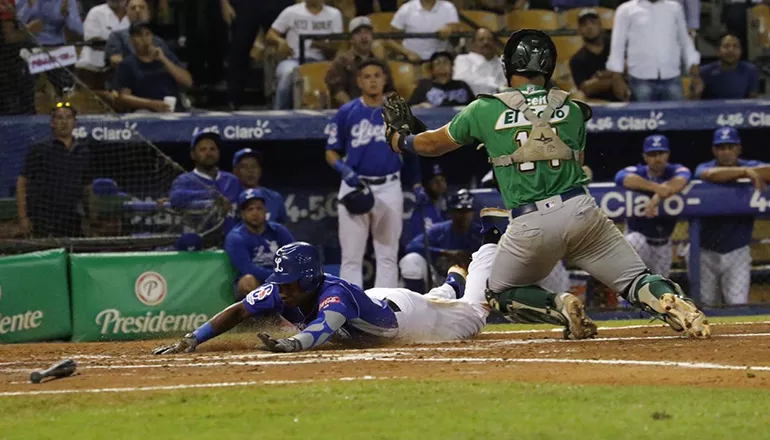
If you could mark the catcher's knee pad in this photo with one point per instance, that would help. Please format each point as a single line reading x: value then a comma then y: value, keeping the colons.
x: 526, y: 305
x: 646, y: 289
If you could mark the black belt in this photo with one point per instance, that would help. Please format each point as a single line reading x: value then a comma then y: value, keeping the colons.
x: 393, y: 306
x: 378, y: 180
x: 657, y: 241
x: 532, y: 207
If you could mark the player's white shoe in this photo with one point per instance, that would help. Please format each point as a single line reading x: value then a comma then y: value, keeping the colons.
x: 579, y: 325
x: 682, y: 315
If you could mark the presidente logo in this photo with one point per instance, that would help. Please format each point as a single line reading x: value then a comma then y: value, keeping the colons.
x: 150, y: 288
x: 31, y: 319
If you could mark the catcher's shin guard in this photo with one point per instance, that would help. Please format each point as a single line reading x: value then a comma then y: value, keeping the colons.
x: 535, y: 305
x: 665, y: 300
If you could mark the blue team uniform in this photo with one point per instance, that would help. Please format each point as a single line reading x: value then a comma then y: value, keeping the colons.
x: 275, y: 204
x: 364, y: 316
x: 358, y: 133
x: 658, y: 230
x: 254, y: 253
x: 193, y: 186
x: 727, y: 233
x: 441, y: 237
x: 433, y: 216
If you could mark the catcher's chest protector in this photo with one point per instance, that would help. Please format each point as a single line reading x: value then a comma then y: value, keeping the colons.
x: 543, y: 143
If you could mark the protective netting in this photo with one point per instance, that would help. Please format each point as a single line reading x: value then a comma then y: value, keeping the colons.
x: 108, y: 191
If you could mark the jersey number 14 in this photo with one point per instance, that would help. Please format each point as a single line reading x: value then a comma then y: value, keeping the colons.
x: 521, y: 137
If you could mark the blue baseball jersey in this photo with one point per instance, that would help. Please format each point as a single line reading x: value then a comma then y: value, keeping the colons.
x: 728, y: 233
x: 253, y: 253
x: 357, y: 132
x: 275, y: 204
x: 658, y: 227
x: 413, y: 227
x: 363, y: 316
x: 194, y: 186
x: 441, y: 237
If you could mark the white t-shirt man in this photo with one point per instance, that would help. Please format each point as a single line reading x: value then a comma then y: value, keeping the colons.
x: 100, y: 22
x: 296, y: 20
x: 483, y: 75
x: 414, y: 18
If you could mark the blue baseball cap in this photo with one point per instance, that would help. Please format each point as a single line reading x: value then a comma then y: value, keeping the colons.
x: 246, y: 152
x: 206, y: 135
x: 726, y: 135
x: 656, y: 142
x: 189, y: 242
x: 460, y: 200
x: 250, y: 194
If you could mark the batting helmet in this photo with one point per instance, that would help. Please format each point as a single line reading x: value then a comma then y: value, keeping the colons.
x: 529, y: 51
x: 359, y: 201
x: 460, y: 200
x: 298, y: 261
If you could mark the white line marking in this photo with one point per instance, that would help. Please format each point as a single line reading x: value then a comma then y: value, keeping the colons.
x: 625, y: 327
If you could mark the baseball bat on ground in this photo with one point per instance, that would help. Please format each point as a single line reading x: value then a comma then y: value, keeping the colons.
x: 58, y: 370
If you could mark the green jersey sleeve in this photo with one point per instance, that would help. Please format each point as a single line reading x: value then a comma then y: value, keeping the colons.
x: 463, y: 128
x: 581, y: 140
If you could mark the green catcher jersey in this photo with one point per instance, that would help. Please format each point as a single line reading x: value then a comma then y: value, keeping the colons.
x: 503, y: 130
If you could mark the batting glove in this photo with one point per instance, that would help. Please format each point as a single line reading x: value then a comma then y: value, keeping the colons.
x: 348, y: 175
x: 420, y: 196
x: 287, y: 345
x: 186, y: 345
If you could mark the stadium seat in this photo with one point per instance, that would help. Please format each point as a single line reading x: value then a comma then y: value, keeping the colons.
x: 310, y: 84
x: 381, y: 21
x: 570, y: 17
x: 532, y: 18
x: 485, y: 19
x: 405, y: 77
x: 566, y: 46
x: 562, y: 76
x: 759, y: 30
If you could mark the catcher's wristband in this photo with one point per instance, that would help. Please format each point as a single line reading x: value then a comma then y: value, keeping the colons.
x: 406, y: 142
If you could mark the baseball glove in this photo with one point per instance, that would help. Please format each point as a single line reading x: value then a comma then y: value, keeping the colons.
x: 398, y: 117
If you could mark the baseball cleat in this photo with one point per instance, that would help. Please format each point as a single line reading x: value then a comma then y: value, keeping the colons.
x: 682, y: 315
x: 456, y: 278
x: 579, y: 325
x: 494, y: 221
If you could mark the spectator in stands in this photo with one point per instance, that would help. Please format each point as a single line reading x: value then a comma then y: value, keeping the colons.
x: 47, y: 20
x: 247, y: 166
x: 311, y: 17
x: 251, y: 245
x: 440, y: 90
x: 691, y: 10
x: 144, y: 79
x: 429, y: 206
x: 55, y: 181
x: 651, y: 36
x: 588, y: 65
x: 730, y: 78
x: 245, y: 19
x: 735, y: 18
x: 342, y: 77
x: 366, y: 7
x: 725, y: 269
x: 481, y: 68
x: 564, y: 5
x: 206, y: 182
x: 651, y: 236
x: 119, y: 42
x: 19, y: 99
x: 427, y: 16
x: 450, y: 242
x: 100, y: 22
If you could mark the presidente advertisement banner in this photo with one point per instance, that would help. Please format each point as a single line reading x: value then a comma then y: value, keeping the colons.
x: 34, y: 297
x: 121, y: 296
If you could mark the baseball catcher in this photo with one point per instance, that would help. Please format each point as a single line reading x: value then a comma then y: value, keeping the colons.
x: 535, y: 139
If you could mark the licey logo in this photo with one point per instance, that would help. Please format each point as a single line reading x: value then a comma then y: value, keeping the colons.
x: 150, y: 288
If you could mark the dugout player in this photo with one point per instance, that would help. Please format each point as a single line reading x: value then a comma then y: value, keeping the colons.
x: 358, y: 133
x: 725, y: 259
x: 429, y: 205
x: 651, y: 236
x: 251, y: 245
x: 206, y: 181
x: 247, y: 166
x: 535, y: 139
x: 449, y: 242
x: 323, y: 306
x: 55, y: 180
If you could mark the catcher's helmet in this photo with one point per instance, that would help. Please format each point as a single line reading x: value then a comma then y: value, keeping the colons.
x: 359, y: 201
x: 298, y: 261
x: 460, y: 200
x: 529, y: 51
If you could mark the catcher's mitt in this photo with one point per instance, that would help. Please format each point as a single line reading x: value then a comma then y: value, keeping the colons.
x: 398, y: 118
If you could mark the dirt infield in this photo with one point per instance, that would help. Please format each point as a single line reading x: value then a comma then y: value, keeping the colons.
x: 738, y: 355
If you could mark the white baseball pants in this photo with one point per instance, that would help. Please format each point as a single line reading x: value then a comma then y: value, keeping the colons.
x: 727, y: 275
x: 657, y: 258
x: 385, y: 223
